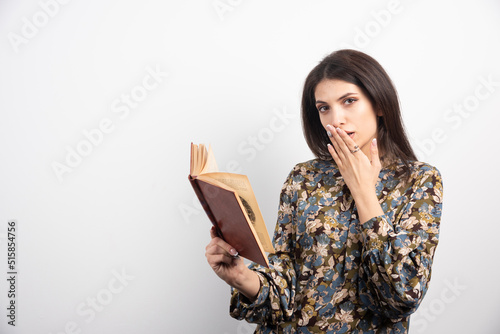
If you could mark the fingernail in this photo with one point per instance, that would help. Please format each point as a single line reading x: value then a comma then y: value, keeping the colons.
x: 233, y: 252
x: 374, y: 141
x: 329, y: 133
x: 338, y: 130
x: 329, y: 127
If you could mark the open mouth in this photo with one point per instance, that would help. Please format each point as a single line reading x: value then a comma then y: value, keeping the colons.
x: 350, y: 134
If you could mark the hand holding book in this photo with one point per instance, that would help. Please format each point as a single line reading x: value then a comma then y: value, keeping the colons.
x: 230, y: 204
x: 225, y: 262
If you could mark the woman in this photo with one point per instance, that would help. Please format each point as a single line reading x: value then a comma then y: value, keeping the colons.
x: 357, y: 226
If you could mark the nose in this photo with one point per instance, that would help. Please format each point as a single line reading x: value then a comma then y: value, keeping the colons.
x: 338, y: 118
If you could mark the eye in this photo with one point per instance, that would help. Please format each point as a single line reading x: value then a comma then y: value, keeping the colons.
x: 322, y: 109
x: 350, y: 100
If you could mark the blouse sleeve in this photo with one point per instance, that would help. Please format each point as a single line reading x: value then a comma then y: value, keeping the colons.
x: 397, y: 253
x: 275, y: 299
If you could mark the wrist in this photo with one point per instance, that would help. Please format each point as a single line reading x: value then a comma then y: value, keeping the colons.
x: 368, y: 206
x: 364, y: 198
x: 248, y: 283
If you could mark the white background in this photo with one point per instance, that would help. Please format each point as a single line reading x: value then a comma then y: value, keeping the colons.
x: 126, y: 208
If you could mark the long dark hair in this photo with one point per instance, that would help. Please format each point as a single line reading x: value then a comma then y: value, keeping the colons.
x: 365, y: 72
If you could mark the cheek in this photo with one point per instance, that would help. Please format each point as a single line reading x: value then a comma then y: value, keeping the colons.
x: 372, y: 125
x: 324, y: 121
x: 369, y: 120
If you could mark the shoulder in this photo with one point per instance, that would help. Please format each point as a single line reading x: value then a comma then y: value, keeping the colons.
x: 309, y: 173
x: 314, y: 167
x: 420, y: 172
x: 424, y: 171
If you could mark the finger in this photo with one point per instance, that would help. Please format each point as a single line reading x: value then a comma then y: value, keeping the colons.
x: 375, y: 159
x: 340, y: 136
x: 223, y: 246
x: 334, y: 155
x: 337, y: 142
x: 214, y: 243
x: 213, y: 233
x: 216, y: 259
x: 216, y: 255
x: 349, y: 143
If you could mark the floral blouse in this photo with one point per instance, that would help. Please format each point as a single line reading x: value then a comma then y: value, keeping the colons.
x: 332, y: 273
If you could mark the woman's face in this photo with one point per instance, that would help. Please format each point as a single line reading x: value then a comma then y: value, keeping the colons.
x: 343, y: 104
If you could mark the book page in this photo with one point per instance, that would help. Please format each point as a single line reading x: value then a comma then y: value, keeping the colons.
x: 241, y: 185
x: 194, y: 160
x: 210, y: 163
x: 201, y: 159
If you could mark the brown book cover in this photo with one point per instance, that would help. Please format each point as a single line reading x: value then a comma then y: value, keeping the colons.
x: 231, y: 206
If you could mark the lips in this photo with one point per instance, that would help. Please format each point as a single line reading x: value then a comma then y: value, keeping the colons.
x: 350, y: 134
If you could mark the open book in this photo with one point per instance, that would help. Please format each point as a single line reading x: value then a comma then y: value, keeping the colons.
x: 230, y: 204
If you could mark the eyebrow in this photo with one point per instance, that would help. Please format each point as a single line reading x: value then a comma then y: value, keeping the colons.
x: 340, y: 98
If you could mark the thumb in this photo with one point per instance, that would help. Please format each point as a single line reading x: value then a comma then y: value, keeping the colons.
x: 375, y: 159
